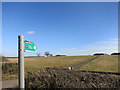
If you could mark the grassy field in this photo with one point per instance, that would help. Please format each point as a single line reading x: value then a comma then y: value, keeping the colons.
x: 106, y: 63
x: 37, y: 63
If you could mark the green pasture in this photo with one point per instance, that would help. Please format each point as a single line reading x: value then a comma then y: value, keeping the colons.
x: 106, y: 63
x: 38, y: 63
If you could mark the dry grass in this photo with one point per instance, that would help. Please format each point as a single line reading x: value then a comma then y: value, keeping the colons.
x: 11, y: 60
x: 106, y: 63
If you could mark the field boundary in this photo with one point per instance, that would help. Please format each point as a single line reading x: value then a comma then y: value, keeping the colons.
x: 83, y: 63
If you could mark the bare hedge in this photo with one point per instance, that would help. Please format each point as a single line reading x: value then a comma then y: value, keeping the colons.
x: 60, y: 78
x: 9, y: 68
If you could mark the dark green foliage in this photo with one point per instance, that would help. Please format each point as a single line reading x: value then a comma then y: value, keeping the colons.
x: 47, y: 54
x: 9, y: 68
x: 115, y: 54
x: 61, y: 78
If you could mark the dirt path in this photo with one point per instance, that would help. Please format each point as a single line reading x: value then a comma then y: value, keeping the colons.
x: 83, y: 63
x: 10, y: 83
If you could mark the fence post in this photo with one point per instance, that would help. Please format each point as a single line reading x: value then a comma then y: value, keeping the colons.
x: 21, y: 61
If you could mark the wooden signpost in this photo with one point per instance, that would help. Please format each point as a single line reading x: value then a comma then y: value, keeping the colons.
x: 23, y: 46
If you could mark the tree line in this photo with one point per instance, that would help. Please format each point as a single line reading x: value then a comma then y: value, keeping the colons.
x: 47, y: 54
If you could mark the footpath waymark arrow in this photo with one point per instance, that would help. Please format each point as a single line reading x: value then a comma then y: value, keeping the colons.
x: 29, y: 46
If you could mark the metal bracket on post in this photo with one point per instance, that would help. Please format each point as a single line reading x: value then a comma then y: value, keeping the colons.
x: 21, y: 61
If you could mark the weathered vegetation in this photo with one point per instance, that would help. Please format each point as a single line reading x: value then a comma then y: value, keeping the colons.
x: 61, y: 78
x: 9, y: 70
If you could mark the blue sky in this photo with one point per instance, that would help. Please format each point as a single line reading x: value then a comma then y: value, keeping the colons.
x: 69, y: 28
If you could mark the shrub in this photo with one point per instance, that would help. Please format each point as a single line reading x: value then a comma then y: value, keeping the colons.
x: 9, y: 68
x: 61, y: 78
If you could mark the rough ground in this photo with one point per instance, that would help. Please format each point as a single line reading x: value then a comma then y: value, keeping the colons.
x: 60, y: 78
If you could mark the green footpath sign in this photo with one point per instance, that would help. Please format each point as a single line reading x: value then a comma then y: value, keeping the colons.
x: 29, y: 46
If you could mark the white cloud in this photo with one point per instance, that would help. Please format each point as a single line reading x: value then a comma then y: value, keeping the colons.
x: 110, y: 41
x: 108, y: 46
x: 30, y: 32
x: 107, y: 42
